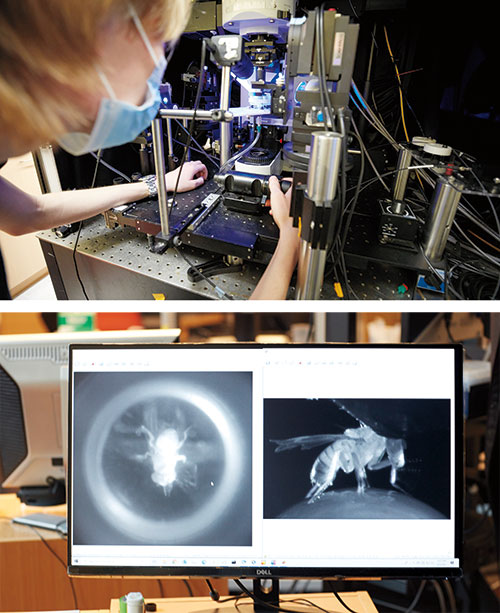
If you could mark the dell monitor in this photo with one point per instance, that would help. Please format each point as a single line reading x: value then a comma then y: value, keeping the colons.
x: 266, y: 461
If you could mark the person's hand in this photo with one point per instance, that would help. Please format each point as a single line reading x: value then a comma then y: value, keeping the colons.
x: 280, y: 207
x: 193, y: 175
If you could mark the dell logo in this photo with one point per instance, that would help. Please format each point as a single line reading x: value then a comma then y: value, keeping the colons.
x: 262, y: 571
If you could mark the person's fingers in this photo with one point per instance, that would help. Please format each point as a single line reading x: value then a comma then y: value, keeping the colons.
x: 197, y: 182
x: 203, y: 170
x: 274, y: 185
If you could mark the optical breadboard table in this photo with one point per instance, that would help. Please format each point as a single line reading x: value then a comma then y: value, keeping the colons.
x: 118, y: 265
x: 357, y: 601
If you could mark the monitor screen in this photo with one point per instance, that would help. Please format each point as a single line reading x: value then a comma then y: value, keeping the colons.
x: 255, y: 461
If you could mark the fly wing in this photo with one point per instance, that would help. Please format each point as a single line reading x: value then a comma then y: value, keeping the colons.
x: 305, y: 442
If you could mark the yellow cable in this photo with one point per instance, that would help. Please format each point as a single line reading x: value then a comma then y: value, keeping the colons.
x: 400, y: 95
x: 399, y: 81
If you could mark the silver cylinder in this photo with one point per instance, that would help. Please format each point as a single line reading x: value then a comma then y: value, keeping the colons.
x: 402, y: 173
x: 310, y: 272
x: 170, y: 142
x: 157, y: 132
x: 322, y: 177
x: 225, y: 127
x: 185, y: 124
x: 201, y: 115
x: 443, y: 209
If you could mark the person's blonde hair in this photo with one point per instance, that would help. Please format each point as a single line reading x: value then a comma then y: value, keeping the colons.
x: 49, y: 46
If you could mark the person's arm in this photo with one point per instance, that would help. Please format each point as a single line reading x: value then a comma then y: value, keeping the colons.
x: 22, y: 213
x: 273, y: 284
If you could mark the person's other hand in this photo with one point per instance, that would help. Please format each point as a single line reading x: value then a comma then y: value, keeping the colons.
x: 280, y: 206
x: 193, y: 175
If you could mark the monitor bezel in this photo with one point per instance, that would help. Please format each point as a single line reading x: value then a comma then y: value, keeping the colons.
x: 273, y: 572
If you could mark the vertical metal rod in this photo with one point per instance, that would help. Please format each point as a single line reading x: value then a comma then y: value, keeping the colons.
x: 170, y: 142
x: 225, y: 126
x: 310, y: 272
x: 185, y: 124
x: 401, y: 178
x: 443, y: 209
x: 157, y: 132
x: 322, y: 179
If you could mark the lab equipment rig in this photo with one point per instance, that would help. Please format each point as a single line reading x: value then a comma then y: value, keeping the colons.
x: 273, y: 94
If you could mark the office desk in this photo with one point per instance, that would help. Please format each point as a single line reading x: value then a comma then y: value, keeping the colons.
x: 357, y: 601
x: 33, y: 572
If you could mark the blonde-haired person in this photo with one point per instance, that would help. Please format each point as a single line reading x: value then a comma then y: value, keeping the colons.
x: 84, y: 73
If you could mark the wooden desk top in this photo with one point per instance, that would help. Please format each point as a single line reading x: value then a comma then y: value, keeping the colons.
x: 11, y: 506
x: 357, y: 601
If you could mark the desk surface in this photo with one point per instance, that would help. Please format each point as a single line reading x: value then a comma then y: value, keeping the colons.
x: 10, y: 507
x: 357, y: 601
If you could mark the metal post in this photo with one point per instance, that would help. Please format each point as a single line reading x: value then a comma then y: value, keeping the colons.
x: 170, y: 144
x: 326, y: 153
x: 311, y: 270
x: 225, y: 127
x: 157, y: 132
x: 185, y: 124
x: 201, y: 115
x: 443, y: 209
x: 402, y: 173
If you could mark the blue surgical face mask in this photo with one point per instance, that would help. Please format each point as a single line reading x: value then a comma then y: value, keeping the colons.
x: 119, y: 122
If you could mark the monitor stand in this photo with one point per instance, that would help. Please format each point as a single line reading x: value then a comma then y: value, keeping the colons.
x: 266, y: 599
x: 43, y: 495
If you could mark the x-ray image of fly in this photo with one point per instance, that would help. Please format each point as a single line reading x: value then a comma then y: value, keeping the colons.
x: 356, y: 450
x: 169, y: 453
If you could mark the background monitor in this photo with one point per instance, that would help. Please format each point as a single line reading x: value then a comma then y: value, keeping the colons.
x: 33, y: 406
x: 266, y: 461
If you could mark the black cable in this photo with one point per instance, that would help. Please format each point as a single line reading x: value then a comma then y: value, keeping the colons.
x: 320, y: 60
x: 414, y: 602
x: 193, y: 121
x: 354, y: 200
x: 80, y: 226
x: 186, y: 583
x: 162, y: 591
x: 61, y: 561
x: 205, y: 278
x: 215, y: 596
x: 440, y: 595
x: 197, y: 146
x: 336, y: 594
x: 277, y: 607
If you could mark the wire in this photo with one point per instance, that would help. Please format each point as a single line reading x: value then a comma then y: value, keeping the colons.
x: 196, y: 143
x: 80, y: 226
x: 215, y: 596
x: 220, y: 292
x: 210, y: 158
x: 328, y: 115
x: 279, y: 607
x: 451, y: 595
x: 414, y: 602
x: 112, y: 168
x: 227, y: 165
x: 337, y: 596
x: 190, y: 591
x: 61, y: 561
x: 399, y: 82
x: 440, y: 595
x: 192, y: 123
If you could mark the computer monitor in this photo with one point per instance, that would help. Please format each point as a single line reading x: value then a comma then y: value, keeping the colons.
x: 266, y: 461
x: 33, y: 407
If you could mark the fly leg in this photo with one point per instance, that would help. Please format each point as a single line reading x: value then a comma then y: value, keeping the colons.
x: 360, y: 473
x: 150, y: 441
x: 321, y: 479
